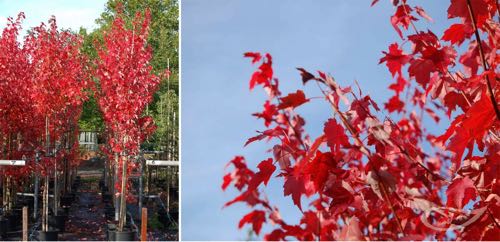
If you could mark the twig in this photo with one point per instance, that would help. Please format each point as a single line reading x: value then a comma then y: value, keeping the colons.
x: 483, y: 59
x: 364, y: 150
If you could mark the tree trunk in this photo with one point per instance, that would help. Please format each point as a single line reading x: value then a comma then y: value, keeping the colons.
x: 123, y: 196
x: 36, y: 189
x: 45, y: 208
x: 56, y: 188
x: 141, y: 169
x: 115, y: 179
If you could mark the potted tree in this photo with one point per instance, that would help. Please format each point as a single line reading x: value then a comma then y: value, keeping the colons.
x: 59, y: 83
x: 127, y: 85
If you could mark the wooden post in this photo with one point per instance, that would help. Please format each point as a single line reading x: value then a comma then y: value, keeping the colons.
x: 144, y: 224
x: 25, y: 223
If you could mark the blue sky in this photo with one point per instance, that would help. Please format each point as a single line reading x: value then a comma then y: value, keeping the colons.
x: 344, y: 38
x: 69, y: 13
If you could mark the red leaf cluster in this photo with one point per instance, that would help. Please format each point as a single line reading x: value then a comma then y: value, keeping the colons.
x: 373, y: 177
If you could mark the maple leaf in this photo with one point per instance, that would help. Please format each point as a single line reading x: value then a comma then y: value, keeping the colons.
x: 256, y: 218
x: 352, y: 231
x: 266, y: 169
x: 457, y: 33
x: 306, y: 76
x: 421, y: 69
x: 275, y: 132
x: 395, y: 59
x: 256, y: 56
x: 335, y: 135
x: 341, y: 196
x: 399, y: 85
x: 460, y: 192
x: 270, y: 110
x: 226, y: 181
x: 402, y: 17
x: 293, y: 100
x: 294, y: 186
x: 319, y: 169
x: 420, y: 11
x: 394, y: 104
x: 264, y: 74
x: 458, y: 8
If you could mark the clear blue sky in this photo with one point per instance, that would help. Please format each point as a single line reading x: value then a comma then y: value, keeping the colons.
x: 69, y: 13
x: 344, y: 38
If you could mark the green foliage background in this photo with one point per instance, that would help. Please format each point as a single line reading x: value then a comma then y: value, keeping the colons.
x: 164, y: 40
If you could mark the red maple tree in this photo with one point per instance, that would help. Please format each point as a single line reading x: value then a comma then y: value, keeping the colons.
x: 368, y: 176
x: 127, y: 85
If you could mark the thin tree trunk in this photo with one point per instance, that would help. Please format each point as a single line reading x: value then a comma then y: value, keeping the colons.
x: 36, y: 189
x: 45, y: 208
x: 56, y: 188
x: 115, y: 199
x: 123, y: 195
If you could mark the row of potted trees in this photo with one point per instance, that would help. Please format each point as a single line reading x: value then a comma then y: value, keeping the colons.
x: 43, y: 84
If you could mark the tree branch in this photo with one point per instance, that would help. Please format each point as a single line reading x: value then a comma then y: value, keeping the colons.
x: 483, y: 59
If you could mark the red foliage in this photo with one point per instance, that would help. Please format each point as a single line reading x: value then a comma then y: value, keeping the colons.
x: 368, y: 176
x: 127, y: 86
x: 41, y: 79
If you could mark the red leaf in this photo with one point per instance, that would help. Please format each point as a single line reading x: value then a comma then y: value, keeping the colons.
x: 399, y: 85
x: 395, y: 59
x: 457, y: 33
x: 256, y: 218
x: 293, y: 100
x: 294, y: 186
x: 352, y: 231
x: 266, y: 169
x: 226, y: 181
x: 402, y: 17
x: 268, y: 114
x: 394, y: 104
x: 256, y: 56
x: 335, y: 135
x: 421, y: 69
x: 306, y: 76
x: 420, y: 11
x: 460, y: 192
x: 458, y: 8
x: 319, y: 169
x: 277, y: 131
x: 263, y: 75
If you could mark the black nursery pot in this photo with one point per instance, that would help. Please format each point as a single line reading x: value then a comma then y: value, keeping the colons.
x: 125, y: 235
x: 106, y: 197
x: 58, y: 222
x: 66, y: 209
x: 66, y: 200
x: 14, y: 221
x: 4, y: 227
x: 51, y: 235
x: 174, y: 215
x: 110, y: 232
